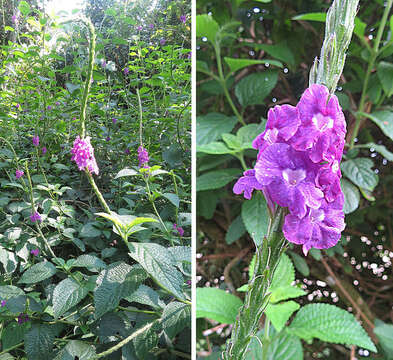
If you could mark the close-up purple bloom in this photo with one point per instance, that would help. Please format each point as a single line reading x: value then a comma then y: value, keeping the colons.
x: 57, y: 103
x: 298, y: 168
x: 108, y: 138
x: 114, y: 120
x: 44, y: 150
x: 19, y: 173
x: 179, y: 229
x: 22, y: 318
x: 36, y: 140
x: 35, y: 252
x: 103, y: 64
x: 35, y: 217
x: 143, y: 156
x: 83, y: 154
x: 139, y: 27
x: 126, y: 71
x: 151, y: 26
x: 2, y: 303
x: 49, y: 107
x: 183, y: 19
x: 162, y: 42
x: 14, y: 19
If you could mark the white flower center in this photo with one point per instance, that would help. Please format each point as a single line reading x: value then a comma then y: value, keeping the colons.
x: 293, y: 177
x: 322, y: 122
x: 316, y: 215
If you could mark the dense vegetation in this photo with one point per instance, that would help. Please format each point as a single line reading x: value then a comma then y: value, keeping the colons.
x: 95, y: 263
x: 252, y: 55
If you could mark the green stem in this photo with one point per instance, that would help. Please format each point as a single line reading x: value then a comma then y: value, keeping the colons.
x: 257, y: 297
x: 11, y: 348
x: 89, y: 76
x: 124, y: 342
x: 370, y: 67
x: 224, y: 85
x: 140, y: 116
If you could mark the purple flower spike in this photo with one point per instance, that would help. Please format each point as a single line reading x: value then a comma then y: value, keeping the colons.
x: 22, y: 318
x: 126, y: 71
x: 162, y: 42
x: 2, y: 303
x: 36, y: 140
x: 114, y: 120
x: 83, y: 155
x: 19, y: 173
x: 35, y: 252
x: 298, y: 167
x: 44, y: 150
x: 143, y: 157
x: 183, y: 19
x: 17, y: 106
x: 180, y: 231
x: 103, y: 64
x: 14, y: 19
x: 35, y: 217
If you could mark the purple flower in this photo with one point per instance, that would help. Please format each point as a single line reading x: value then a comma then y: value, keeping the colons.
x: 17, y: 106
x: 183, y: 19
x: 179, y: 229
x: 298, y: 168
x: 162, y: 42
x: 151, y: 26
x: 114, y: 120
x: 320, y: 228
x: 2, y: 303
x: 143, y: 156
x: 49, y: 107
x: 126, y: 71
x: 35, y: 252
x: 14, y: 19
x: 103, y: 64
x: 83, y: 154
x: 57, y: 103
x: 35, y: 217
x: 139, y: 28
x: 19, y: 173
x: 36, y: 140
x: 44, y: 150
x: 189, y: 55
x: 22, y: 318
x: 127, y: 151
x: 107, y: 138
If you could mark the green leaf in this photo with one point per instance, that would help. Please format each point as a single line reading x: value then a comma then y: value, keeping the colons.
x: 329, y: 323
x: 279, y: 314
x: 90, y: 262
x: 146, y: 296
x: 216, y: 304
x: 384, y: 333
x: 216, y: 179
x: 24, y: 8
x: 66, y: 295
x: 351, y: 196
x: 384, y: 119
x: 235, y: 231
x: 359, y: 171
x: 9, y: 291
x: 248, y: 133
x: 378, y: 148
x: 76, y: 349
x: 206, y: 26
x: 255, y: 217
x: 173, y: 198
x: 89, y: 231
x: 119, y: 280
x: 385, y: 74
x: 286, y: 292
x: 13, y: 334
x: 237, y: 64
x: 126, y: 172
x: 214, y: 148
x: 175, y: 317
x: 159, y: 264
x: 282, y: 346
x: 280, y: 51
x: 300, y: 263
x: 253, y: 89
x: 38, y: 272
x: 210, y: 127
x: 145, y: 343
x: 39, y: 342
x: 232, y: 141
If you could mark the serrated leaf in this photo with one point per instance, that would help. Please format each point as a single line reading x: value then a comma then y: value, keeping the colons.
x: 159, y: 264
x: 67, y: 294
x: 210, y: 127
x: 279, y: 314
x: 126, y: 172
x: 235, y: 231
x: 216, y: 179
x: 255, y: 217
x: 300, y: 263
x: 329, y: 323
x: 145, y: 343
x: 146, y: 296
x: 175, y: 317
x: 24, y: 7
x: 13, y: 334
x: 359, y: 171
x: 90, y: 262
x: 181, y: 253
x: 380, y: 149
x: 216, y: 304
x: 384, y: 119
x: 10, y: 291
x: 173, y: 198
x: 38, y: 272
x: 237, y: 64
x: 351, y: 196
x: 384, y: 333
x: 207, y: 27
x: 253, y: 89
x: 39, y: 342
x: 76, y: 349
x: 214, y: 148
x: 119, y: 280
x: 285, y: 293
x: 385, y: 74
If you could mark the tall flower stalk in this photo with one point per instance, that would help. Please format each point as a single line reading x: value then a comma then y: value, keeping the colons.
x: 298, y: 169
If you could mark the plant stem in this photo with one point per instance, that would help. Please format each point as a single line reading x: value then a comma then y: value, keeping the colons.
x: 374, y: 55
x: 224, y: 84
x: 124, y: 342
x: 267, y: 258
x: 140, y: 117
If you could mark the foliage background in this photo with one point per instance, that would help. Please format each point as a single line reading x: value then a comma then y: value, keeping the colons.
x: 356, y: 274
